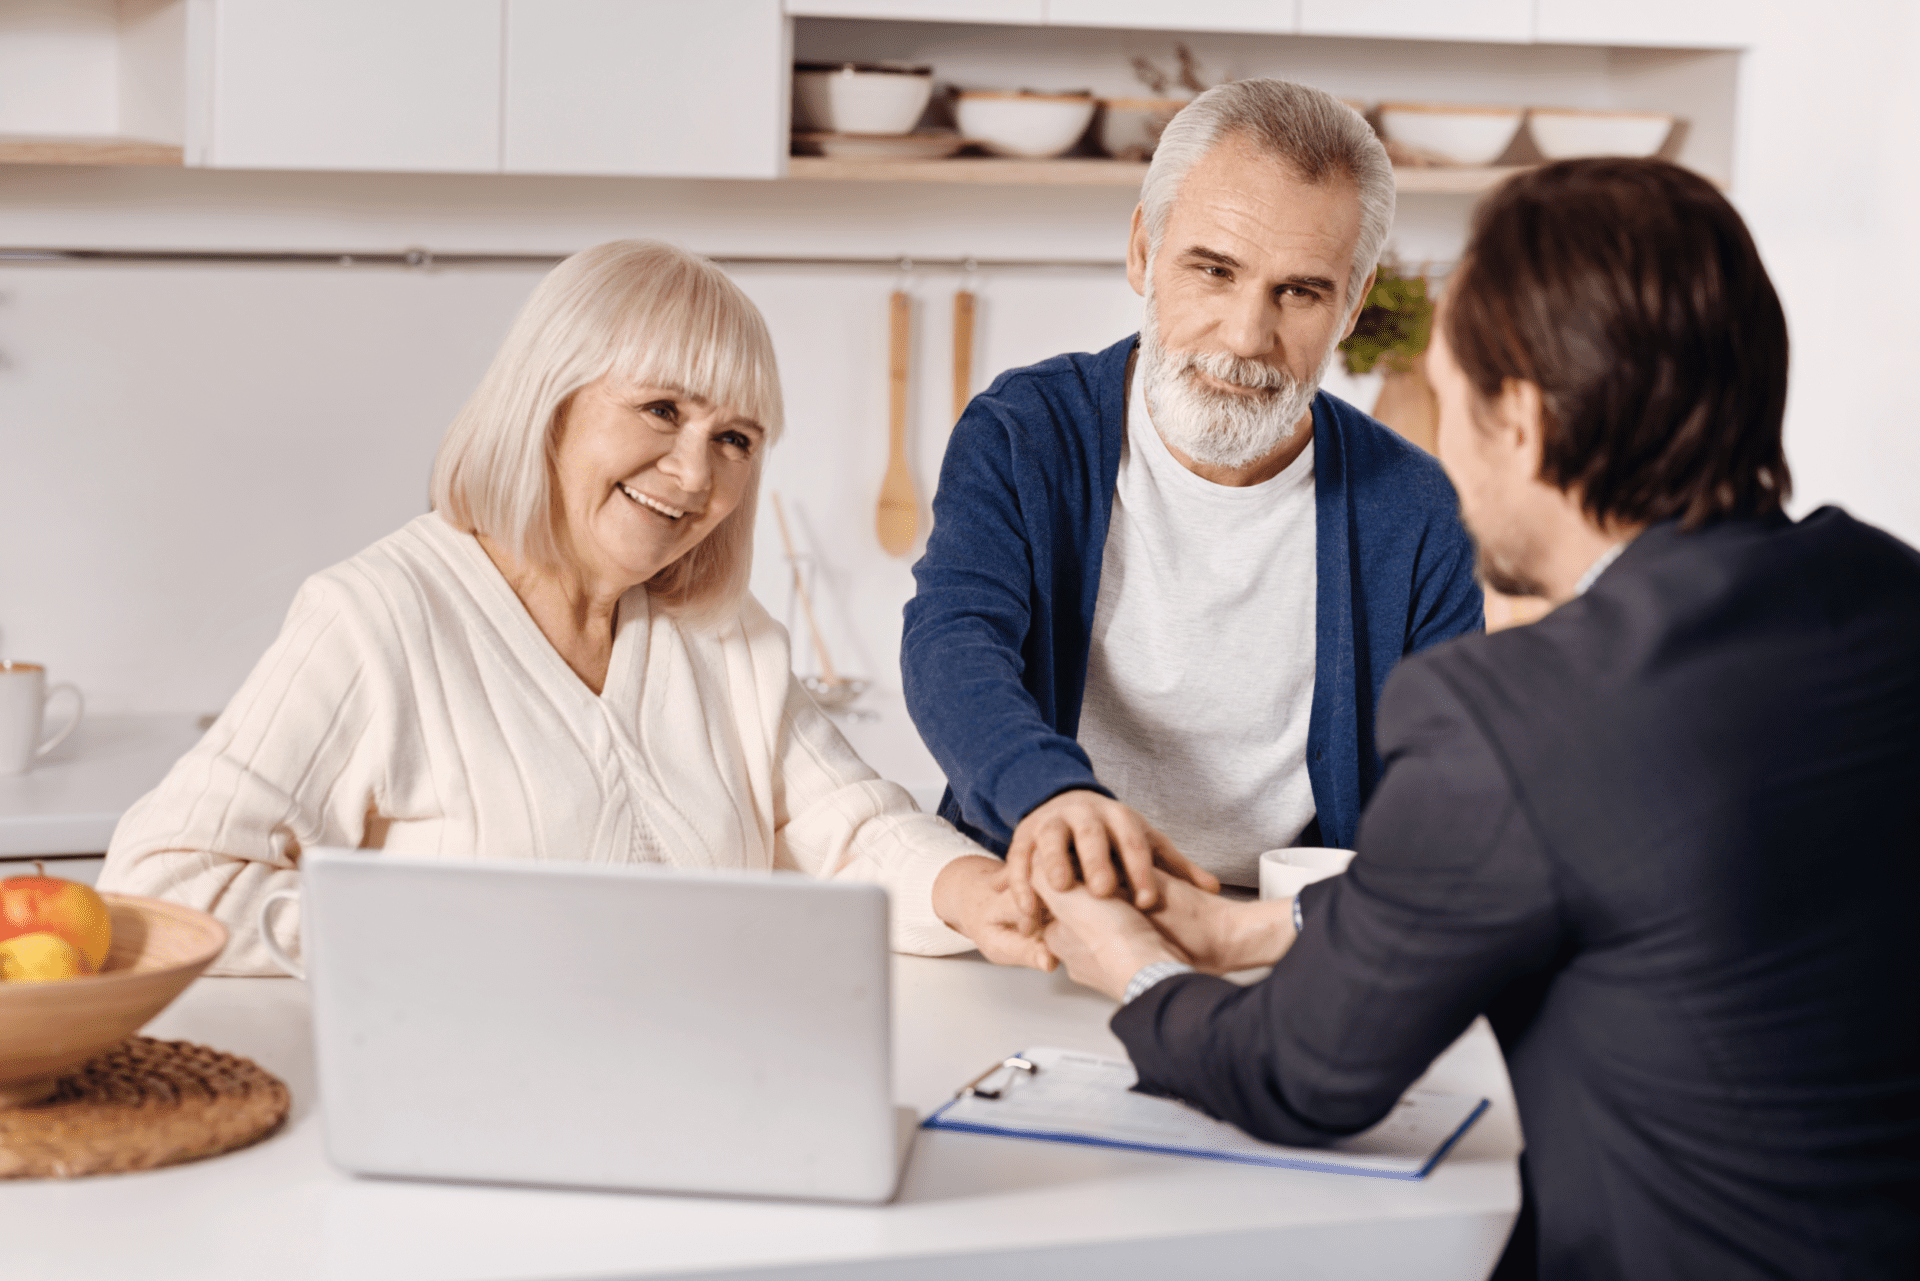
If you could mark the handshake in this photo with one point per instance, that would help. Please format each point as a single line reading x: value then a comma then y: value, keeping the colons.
x: 1089, y: 883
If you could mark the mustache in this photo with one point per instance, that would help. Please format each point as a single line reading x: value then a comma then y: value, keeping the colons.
x: 1254, y: 375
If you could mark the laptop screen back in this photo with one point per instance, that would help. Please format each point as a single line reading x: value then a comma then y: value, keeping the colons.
x: 631, y: 1027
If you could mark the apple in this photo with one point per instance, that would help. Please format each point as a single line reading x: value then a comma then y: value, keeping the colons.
x: 67, y: 910
x: 39, y: 957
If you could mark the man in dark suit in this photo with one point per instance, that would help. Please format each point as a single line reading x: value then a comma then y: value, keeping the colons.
x: 1666, y: 839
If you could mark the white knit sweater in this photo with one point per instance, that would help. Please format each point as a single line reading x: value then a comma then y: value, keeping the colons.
x: 412, y: 704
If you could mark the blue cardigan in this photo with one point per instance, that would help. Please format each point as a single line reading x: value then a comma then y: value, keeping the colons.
x: 994, y: 658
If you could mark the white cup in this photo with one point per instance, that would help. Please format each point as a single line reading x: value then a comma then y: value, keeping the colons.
x: 23, y: 708
x: 1284, y: 873
x: 264, y: 918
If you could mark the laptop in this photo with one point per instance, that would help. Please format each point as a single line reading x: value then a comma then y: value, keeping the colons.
x: 633, y: 1027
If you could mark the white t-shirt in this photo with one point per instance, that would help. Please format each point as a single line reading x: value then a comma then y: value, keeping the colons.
x: 1200, y: 677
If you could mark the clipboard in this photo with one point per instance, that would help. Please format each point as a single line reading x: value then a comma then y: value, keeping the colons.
x: 1069, y: 1096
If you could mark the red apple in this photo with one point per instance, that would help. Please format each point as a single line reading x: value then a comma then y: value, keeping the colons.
x: 64, y: 909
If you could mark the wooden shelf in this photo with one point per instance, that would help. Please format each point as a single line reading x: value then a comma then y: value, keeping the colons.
x: 1452, y: 182
x: 993, y: 170
x: 973, y: 169
x: 16, y: 149
x: 1087, y: 173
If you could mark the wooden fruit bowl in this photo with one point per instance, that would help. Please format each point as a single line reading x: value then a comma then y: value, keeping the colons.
x: 47, y: 1029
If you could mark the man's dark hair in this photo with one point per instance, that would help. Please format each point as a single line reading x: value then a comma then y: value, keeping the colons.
x: 1631, y: 294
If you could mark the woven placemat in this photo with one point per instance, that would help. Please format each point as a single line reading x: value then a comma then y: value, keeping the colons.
x: 142, y: 1104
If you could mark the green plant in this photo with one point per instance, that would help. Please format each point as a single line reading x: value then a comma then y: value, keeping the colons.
x: 1394, y: 326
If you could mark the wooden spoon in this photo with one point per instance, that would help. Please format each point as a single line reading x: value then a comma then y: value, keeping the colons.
x: 962, y: 352
x: 898, y: 519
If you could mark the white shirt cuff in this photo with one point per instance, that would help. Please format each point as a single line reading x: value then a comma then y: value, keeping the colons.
x: 1148, y: 975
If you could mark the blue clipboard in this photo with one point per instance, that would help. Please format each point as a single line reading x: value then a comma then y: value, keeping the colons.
x: 1068, y: 1096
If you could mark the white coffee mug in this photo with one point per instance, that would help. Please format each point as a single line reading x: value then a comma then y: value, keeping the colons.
x: 264, y: 919
x: 1284, y: 873
x: 23, y: 707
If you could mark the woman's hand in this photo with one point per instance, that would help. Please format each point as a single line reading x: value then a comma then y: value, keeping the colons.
x: 975, y: 896
x: 1098, y: 832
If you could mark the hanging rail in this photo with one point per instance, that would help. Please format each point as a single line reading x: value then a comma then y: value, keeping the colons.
x: 421, y: 259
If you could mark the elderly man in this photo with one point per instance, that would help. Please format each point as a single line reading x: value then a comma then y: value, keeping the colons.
x: 1164, y: 587
x: 1664, y: 839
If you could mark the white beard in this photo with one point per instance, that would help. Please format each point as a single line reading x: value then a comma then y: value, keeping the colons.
x: 1220, y: 428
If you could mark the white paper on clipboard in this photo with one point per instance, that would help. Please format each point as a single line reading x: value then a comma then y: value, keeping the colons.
x: 1075, y: 1097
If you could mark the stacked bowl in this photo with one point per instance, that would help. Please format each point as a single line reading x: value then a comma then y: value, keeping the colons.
x: 1564, y: 133
x: 1448, y: 133
x: 1023, y: 123
x: 866, y: 110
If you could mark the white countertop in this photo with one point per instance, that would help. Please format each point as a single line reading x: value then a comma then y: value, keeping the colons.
x: 970, y: 1205
x: 71, y: 800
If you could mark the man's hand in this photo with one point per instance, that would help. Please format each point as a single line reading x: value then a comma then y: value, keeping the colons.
x: 1102, y: 832
x: 1222, y: 935
x: 1102, y: 941
x: 975, y: 896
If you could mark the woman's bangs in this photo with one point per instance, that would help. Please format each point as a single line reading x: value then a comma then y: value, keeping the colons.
x: 703, y: 337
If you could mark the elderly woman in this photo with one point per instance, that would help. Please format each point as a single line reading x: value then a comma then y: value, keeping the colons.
x: 561, y: 660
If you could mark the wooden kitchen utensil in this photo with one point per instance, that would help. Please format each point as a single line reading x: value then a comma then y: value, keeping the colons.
x: 898, y: 519
x: 962, y: 351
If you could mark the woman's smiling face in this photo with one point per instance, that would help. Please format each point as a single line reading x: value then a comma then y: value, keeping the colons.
x: 644, y: 474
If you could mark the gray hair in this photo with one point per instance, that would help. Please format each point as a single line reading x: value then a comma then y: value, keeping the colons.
x: 648, y: 313
x: 1311, y: 131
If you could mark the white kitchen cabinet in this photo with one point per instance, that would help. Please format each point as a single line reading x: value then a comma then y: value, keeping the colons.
x: 699, y: 88
x: 1012, y: 11
x: 57, y: 68
x: 1723, y: 24
x: 408, y: 85
x: 1491, y: 20
x: 1277, y: 16
x: 93, y: 81
x: 646, y: 87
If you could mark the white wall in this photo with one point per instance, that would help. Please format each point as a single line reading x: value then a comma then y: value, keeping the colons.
x: 183, y: 445
x: 1829, y: 179
x: 180, y: 446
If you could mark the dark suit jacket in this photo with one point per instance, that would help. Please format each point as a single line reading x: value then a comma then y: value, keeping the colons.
x: 1668, y: 840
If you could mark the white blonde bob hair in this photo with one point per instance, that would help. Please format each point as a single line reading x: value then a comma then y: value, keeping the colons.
x: 641, y: 312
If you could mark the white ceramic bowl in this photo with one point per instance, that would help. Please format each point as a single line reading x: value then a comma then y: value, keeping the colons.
x: 855, y: 97
x: 1564, y: 133
x: 1029, y: 125
x: 1460, y: 135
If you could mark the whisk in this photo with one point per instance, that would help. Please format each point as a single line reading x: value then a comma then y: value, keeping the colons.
x: 829, y: 689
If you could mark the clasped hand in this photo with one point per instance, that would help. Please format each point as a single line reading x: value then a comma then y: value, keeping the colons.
x: 1031, y: 910
x: 1082, y: 834
x: 1104, y: 942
